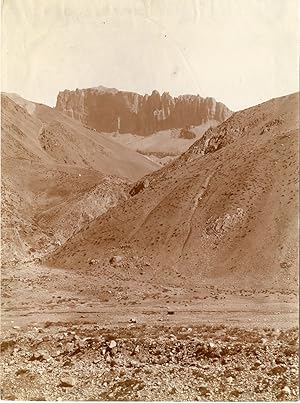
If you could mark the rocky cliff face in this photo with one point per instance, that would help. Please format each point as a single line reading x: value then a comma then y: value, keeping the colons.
x: 110, y: 110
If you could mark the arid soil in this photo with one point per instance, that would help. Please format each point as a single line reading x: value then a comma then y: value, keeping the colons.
x: 74, y: 335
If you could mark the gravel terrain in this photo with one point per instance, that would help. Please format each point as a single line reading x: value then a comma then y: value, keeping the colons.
x: 139, y: 362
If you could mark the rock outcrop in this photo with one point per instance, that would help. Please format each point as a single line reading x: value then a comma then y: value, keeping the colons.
x: 110, y: 110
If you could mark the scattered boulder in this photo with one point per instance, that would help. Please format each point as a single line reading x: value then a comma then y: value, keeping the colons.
x: 93, y: 262
x: 236, y: 392
x: 287, y: 391
x: 139, y: 187
x: 6, y: 344
x: 40, y: 356
x: 116, y: 260
x: 67, y: 381
x: 69, y: 347
x: 203, y: 390
x: 132, y: 320
x: 112, y: 344
x: 277, y: 370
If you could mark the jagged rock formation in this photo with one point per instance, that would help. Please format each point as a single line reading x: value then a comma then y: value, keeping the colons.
x: 110, y: 110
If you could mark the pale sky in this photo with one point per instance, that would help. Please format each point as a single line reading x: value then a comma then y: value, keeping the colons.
x: 241, y: 52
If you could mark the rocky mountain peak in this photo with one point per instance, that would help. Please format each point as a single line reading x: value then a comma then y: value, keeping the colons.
x: 110, y: 110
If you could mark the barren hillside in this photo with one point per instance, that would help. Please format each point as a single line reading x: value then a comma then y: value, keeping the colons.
x: 225, y: 212
x: 53, y: 167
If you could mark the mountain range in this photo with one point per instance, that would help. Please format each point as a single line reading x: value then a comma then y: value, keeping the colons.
x: 225, y: 211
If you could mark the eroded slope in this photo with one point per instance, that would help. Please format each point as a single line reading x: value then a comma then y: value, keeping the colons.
x: 51, y: 167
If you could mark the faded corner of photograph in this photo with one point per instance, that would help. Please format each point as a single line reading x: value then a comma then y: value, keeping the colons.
x: 149, y: 200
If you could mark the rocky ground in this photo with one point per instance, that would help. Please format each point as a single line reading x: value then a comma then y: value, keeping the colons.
x: 139, y: 362
x: 68, y: 336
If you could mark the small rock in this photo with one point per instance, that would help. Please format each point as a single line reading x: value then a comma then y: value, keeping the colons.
x: 22, y: 371
x: 286, y: 390
x: 40, y: 356
x: 10, y: 397
x: 132, y: 320
x: 172, y: 390
x: 93, y: 261
x: 67, y: 363
x: 112, y: 344
x: 67, y: 381
x: 115, y: 260
x: 236, y: 392
x: 69, y: 347
x: 278, y: 370
x: 279, y: 360
x: 203, y: 390
x: 170, y: 312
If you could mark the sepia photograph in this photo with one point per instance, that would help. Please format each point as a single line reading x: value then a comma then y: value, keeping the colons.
x: 150, y: 200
